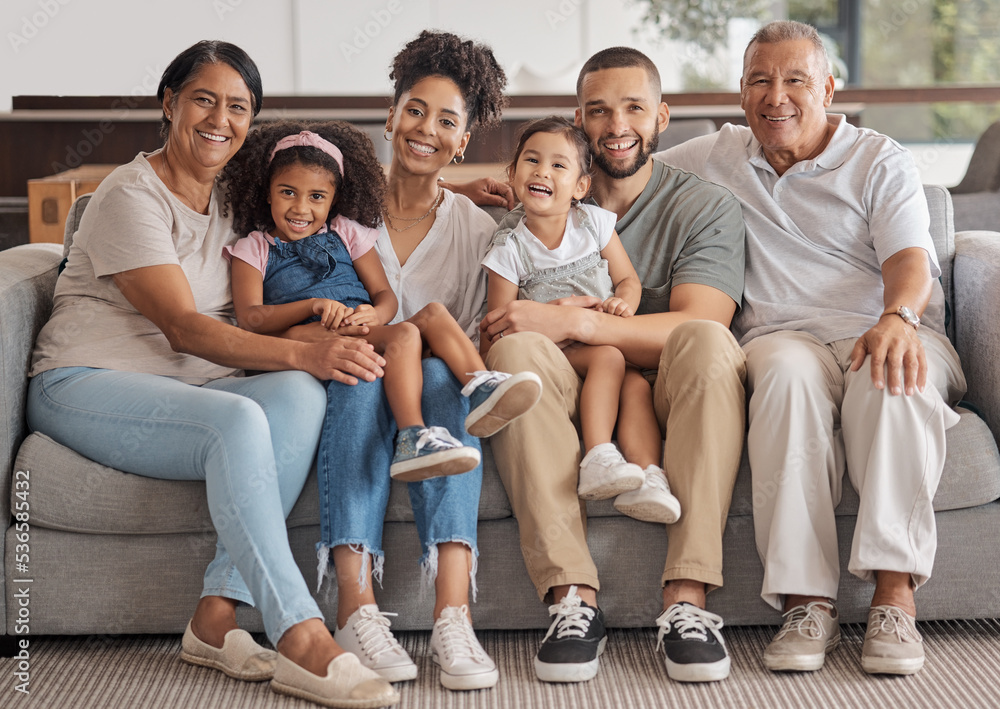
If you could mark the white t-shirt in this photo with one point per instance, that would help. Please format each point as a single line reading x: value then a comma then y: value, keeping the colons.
x: 444, y: 268
x: 577, y: 242
x: 134, y: 221
x: 817, y: 235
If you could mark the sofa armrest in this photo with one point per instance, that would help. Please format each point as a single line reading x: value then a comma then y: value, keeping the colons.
x: 27, y: 279
x: 977, y: 325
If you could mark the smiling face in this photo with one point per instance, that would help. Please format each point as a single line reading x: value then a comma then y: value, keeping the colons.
x: 622, y: 116
x: 209, y: 118
x: 301, y: 197
x: 785, y: 91
x: 548, y: 175
x: 428, y: 126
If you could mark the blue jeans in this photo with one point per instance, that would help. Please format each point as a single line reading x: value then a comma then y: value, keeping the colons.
x: 250, y: 439
x: 355, y: 451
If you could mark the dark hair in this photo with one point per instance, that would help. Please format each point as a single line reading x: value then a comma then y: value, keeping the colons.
x: 247, y: 177
x: 559, y: 126
x: 471, y: 66
x: 188, y: 63
x: 620, y: 58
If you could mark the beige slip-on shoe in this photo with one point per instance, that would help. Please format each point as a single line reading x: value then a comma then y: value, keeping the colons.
x: 239, y: 657
x: 347, y: 685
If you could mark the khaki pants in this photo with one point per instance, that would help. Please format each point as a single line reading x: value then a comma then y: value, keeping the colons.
x: 810, y: 417
x: 699, y: 400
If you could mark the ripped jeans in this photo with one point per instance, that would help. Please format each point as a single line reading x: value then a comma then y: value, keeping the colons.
x: 355, y: 450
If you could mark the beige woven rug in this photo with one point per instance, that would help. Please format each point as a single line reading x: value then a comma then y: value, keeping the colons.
x: 962, y: 670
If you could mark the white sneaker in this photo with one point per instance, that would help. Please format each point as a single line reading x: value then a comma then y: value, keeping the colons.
x: 604, y: 473
x: 653, y: 502
x: 464, y: 663
x: 367, y: 635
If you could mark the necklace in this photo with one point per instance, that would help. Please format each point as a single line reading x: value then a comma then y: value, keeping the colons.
x: 390, y: 218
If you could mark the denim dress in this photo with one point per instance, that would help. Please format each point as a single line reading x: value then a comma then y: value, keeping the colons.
x: 319, y: 266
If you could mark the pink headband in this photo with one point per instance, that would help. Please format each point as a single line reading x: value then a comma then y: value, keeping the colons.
x: 311, y: 140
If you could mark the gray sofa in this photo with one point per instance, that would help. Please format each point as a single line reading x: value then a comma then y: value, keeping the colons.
x: 977, y: 196
x: 116, y: 553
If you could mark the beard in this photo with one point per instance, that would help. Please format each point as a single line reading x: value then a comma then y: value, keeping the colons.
x: 646, y: 148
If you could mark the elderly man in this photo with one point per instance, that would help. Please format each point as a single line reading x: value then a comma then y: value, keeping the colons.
x: 685, y: 239
x: 847, y: 363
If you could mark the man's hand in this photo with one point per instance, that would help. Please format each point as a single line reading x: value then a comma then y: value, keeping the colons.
x: 485, y: 192
x: 894, y: 349
x: 558, y: 324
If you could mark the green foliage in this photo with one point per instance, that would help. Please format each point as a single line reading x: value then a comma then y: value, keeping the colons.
x: 702, y: 22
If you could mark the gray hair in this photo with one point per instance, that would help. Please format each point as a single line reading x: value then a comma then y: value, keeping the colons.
x: 787, y: 31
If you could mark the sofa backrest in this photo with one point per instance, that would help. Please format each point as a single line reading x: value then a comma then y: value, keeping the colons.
x: 943, y: 232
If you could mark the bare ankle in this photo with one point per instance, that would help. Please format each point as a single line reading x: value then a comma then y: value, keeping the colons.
x: 684, y: 591
x: 310, y: 645
x: 793, y: 601
x: 213, y: 618
x: 586, y: 593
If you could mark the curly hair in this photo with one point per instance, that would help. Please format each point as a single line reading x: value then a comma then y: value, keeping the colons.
x: 359, y: 195
x: 471, y: 66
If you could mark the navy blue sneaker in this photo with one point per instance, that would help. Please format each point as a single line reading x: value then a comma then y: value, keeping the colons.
x: 694, y: 647
x: 575, y: 641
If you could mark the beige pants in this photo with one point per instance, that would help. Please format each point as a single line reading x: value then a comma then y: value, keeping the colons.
x: 699, y: 400
x: 809, y: 418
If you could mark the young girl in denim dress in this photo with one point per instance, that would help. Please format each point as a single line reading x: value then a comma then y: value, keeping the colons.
x: 561, y: 248
x: 310, y: 202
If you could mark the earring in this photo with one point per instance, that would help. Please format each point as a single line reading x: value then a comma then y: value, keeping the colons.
x: 387, y: 133
x: 458, y: 159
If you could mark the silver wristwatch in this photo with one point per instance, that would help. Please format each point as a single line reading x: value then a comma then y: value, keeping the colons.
x: 908, y: 316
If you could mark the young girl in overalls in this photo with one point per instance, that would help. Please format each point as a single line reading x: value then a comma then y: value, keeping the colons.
x: 312, y: 217
x: 561, y: 248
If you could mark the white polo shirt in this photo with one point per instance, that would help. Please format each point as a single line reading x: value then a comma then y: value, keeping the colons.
x: 817, y: 235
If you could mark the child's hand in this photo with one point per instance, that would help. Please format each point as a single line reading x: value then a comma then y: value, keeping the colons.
x: 331, y: 312
x: 616, y: 306
x: 364, y: 314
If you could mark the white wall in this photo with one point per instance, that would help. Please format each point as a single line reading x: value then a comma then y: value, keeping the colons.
x: 120, y: 47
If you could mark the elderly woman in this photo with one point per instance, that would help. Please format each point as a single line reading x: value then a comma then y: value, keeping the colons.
x: 141, y: 347
x: 431, y: 246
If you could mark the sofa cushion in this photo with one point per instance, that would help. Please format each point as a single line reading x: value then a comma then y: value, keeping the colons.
x: 75, y: 494
x: 971, y: 475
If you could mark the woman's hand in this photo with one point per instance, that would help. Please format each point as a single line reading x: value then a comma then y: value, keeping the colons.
x: 364, y: 314
x: 617, y: 306
x: 331, y: 312
x: 343, y: 359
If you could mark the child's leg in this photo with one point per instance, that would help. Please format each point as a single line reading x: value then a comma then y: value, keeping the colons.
x: 603, y: 369
x: 447, y: 341
x: 640, y: 441
x: 638, y: 432
x: 421, y: 452
x: 496, y: 398
x: 403, y: 380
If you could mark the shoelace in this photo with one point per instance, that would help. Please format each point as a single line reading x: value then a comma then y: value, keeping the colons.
x: 373, y: 632
x: 658, y: 480
x: 805, y: 620
x: 571, y: 617
x: 458, y: 639
x: 437, y: 438
x: 692, y: 623
x: 480, y: 377
x: 893, y: 621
